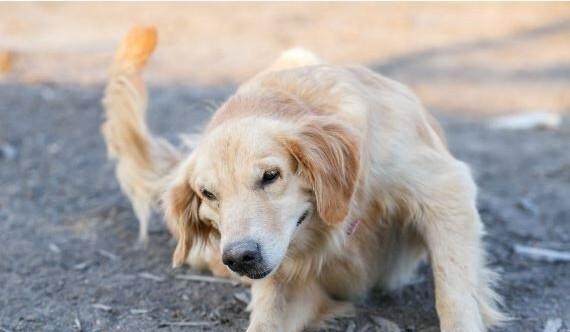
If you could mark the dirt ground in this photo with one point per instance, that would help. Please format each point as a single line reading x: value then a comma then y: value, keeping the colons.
x: 63, y: 221
x: 67, y: 261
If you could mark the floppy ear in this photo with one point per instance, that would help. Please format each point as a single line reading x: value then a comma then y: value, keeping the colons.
x: 181, y: 206
x: 328, y: 156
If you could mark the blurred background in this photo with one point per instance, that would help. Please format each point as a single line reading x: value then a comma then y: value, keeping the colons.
x: 471, y: 57
x: 497, y: 76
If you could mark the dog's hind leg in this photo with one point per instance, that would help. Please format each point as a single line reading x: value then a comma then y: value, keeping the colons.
x: 143, y: 212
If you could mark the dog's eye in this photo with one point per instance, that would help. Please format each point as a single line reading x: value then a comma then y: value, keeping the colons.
x: 208, y: 195
x: 269, y: 176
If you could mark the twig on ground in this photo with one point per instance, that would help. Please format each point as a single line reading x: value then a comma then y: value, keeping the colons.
x: 101, y: 306
x: 150, y: 276
x: 540, y: 254
x: 78, y: 322
x: 204, y: 279
x: 108, y: 254
x: 365, y: 328
x: 187, y: 323
x: 81, y: 266
x: 138, y: 311
x: 526, y: 205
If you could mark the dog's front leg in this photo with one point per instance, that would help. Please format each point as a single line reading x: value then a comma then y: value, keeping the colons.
x: 452, y: 231
x: 285, y: 307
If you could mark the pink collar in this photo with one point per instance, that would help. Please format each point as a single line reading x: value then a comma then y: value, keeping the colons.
x: 352, y: 226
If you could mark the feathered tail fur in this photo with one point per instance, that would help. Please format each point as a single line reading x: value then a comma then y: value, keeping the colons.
x: 143, y: 160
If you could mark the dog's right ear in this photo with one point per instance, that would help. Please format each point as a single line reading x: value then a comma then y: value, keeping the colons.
x: 181, y: 204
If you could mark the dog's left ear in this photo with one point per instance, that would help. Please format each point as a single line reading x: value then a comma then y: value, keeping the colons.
x: 181, y: 205
x: 328, y: 156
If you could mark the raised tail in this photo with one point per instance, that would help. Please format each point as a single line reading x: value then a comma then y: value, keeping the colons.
x: 294, y: 58
x: 143, y: 160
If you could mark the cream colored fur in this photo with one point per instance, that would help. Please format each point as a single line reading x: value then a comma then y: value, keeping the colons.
x: 143, y: 161
x: 351, y: 145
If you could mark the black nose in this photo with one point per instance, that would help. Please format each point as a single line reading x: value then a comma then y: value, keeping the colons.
x: 242, y: 256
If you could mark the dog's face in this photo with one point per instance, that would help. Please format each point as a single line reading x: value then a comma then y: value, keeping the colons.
x: 251, y: 193
x: 255, y: 183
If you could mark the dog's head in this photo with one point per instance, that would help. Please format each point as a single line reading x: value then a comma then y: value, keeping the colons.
x: 254, y: 183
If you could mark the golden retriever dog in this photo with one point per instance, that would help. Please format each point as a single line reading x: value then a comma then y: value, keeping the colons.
x: 315, y: 183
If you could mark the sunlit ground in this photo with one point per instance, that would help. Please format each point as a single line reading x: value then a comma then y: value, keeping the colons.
x: 460, y: 58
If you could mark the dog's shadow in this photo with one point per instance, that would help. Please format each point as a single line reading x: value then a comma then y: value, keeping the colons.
x: 410, y: 308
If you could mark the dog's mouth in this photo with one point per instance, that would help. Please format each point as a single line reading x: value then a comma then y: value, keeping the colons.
x: 257, y: 275
x: 302, y: 218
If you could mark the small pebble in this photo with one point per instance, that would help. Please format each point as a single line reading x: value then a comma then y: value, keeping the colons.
x: 7, y: 151
x: 553, y: 325
x: 54, y: 248
x: 243, y: 297
x: 385, y: 325
x: 351, y: 327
